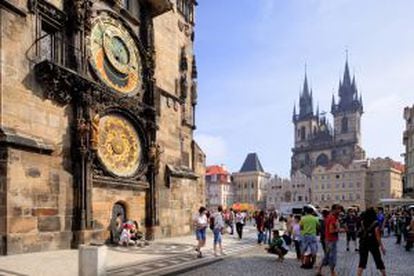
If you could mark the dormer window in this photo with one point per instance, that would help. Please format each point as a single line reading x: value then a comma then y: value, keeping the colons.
x: 186, y: 8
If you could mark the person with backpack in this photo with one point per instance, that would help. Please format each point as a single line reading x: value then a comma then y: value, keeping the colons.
x: 217, y: 225
x: 309, y: 225
x: 370, y: 241
x: 200, y: 223
x: 351, y: 226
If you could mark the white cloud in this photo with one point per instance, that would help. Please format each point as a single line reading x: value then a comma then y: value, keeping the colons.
x: 214, y: 147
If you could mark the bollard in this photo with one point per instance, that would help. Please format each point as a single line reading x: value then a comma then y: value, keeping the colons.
x: 92, y: 260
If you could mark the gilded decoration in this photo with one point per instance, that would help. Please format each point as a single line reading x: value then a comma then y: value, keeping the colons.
x: 119, y: 146
x: 115, y: 57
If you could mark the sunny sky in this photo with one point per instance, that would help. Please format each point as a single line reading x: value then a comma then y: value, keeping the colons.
x: 251, y: 56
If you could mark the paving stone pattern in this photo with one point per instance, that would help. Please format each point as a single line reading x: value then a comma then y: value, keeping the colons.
x: 398, y: 262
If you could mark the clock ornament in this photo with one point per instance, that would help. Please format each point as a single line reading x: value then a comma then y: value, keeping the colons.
x: 115, y: 58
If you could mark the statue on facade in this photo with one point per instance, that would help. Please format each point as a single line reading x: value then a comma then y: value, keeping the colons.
x: 95, y: 132
x: 154, y: 156
x: 83, y: 130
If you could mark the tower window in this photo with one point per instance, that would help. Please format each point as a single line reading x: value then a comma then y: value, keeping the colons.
x: 303, y: 133
x: 344, y: 125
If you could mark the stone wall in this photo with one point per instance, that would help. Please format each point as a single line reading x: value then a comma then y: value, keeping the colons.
x: 178, y: 200
x: 39, y: 203
x: 103, y: 200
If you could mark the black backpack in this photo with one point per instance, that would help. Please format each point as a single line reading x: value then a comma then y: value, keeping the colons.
x: 212, y: 222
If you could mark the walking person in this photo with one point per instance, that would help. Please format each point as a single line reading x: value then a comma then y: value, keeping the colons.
x: 240, y: 219
x: 268, y: 227
x: 231, y: 221
x: 201, y: 224
x: 218, y: 229
x: 309, y: 225
x: 332, y: 230
x: 297, y: 237
x: 325, y: 214
x: 260, y: 221
x: 370, y: 241
x: 398, y: 227
x: 351, y: 227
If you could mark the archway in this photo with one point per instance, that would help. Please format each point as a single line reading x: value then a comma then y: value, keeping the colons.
x: 322, y: 160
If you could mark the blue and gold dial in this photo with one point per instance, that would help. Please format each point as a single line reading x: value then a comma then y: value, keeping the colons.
x: 114, y: 55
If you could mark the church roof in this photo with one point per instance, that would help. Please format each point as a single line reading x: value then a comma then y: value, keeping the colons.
x: 252, y: 164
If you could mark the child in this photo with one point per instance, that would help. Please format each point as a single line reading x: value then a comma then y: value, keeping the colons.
x: 278, y: 246
x: 297, y: 236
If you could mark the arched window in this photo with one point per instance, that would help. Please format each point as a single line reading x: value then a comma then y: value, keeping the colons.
x: 322, y: 160
x: 344, y: 125
x: 303, y: 133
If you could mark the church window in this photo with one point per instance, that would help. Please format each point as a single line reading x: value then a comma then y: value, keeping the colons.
x: 344, y: 125
x: 303, y: 133
x: 322, y: 160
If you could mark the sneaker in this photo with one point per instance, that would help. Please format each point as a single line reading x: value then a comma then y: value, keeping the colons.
x: 356, y: 249
x: 347, y: 249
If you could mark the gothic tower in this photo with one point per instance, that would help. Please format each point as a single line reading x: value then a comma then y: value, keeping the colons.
x: 306, y: 124
x: 347, y: 115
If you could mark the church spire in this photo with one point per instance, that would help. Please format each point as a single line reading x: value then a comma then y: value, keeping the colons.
x: 348, y: 93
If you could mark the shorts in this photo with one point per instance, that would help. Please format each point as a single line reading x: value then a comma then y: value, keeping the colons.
x: 330, y: 255
x: 217, y: 236
x: 309, y: 241
x: 201, y: 234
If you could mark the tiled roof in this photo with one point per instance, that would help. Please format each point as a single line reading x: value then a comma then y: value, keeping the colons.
x: 252, y: 164
x: 216, y: 169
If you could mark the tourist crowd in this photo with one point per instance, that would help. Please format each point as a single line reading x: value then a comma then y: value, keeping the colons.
x: 305, y: 232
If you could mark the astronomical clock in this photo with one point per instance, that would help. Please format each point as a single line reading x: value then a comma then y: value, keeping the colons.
x: 115, y: 58
x: 115, y: 62
x: 119, y: 145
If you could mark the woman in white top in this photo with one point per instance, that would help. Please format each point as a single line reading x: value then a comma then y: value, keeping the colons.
x: 201, y: 223
x: 239, y: 224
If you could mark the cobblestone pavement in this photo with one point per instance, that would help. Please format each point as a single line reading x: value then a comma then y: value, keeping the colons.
x: 184, y: 254
x: 398, y: 262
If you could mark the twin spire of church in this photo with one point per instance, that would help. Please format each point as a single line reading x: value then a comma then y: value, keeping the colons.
x: 348, y: 98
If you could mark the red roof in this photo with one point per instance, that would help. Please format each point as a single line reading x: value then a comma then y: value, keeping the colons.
x: 216, y: 169
x: 398, y: 166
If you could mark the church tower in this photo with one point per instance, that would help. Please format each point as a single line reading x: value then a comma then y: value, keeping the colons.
x: 306, y: 122
x: 347, y: 115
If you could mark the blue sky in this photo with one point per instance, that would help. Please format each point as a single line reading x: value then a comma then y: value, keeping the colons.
x: 251, y: 56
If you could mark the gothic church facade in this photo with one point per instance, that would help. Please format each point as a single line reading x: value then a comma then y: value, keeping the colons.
x: 316, y: 141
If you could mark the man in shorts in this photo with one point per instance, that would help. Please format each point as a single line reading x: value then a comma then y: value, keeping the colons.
x: 332, y: 230
x: 218, y: 229
x: 309, y: 225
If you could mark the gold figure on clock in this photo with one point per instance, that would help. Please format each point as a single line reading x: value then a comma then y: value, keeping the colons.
x: 114, y: 55
x: 119, y: 147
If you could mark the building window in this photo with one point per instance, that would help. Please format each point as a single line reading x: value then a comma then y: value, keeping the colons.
x: 303, y: 133
x: 323, y: 197
x: 323, y: 186
x: 344, y: 125
x: 186, y: 8
x: 358, y: 196
x: 351, y: 185
x: 337, y: 197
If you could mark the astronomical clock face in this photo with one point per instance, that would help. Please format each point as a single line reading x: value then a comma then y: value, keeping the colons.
x: 119, y: 146
x: 114, y: 55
